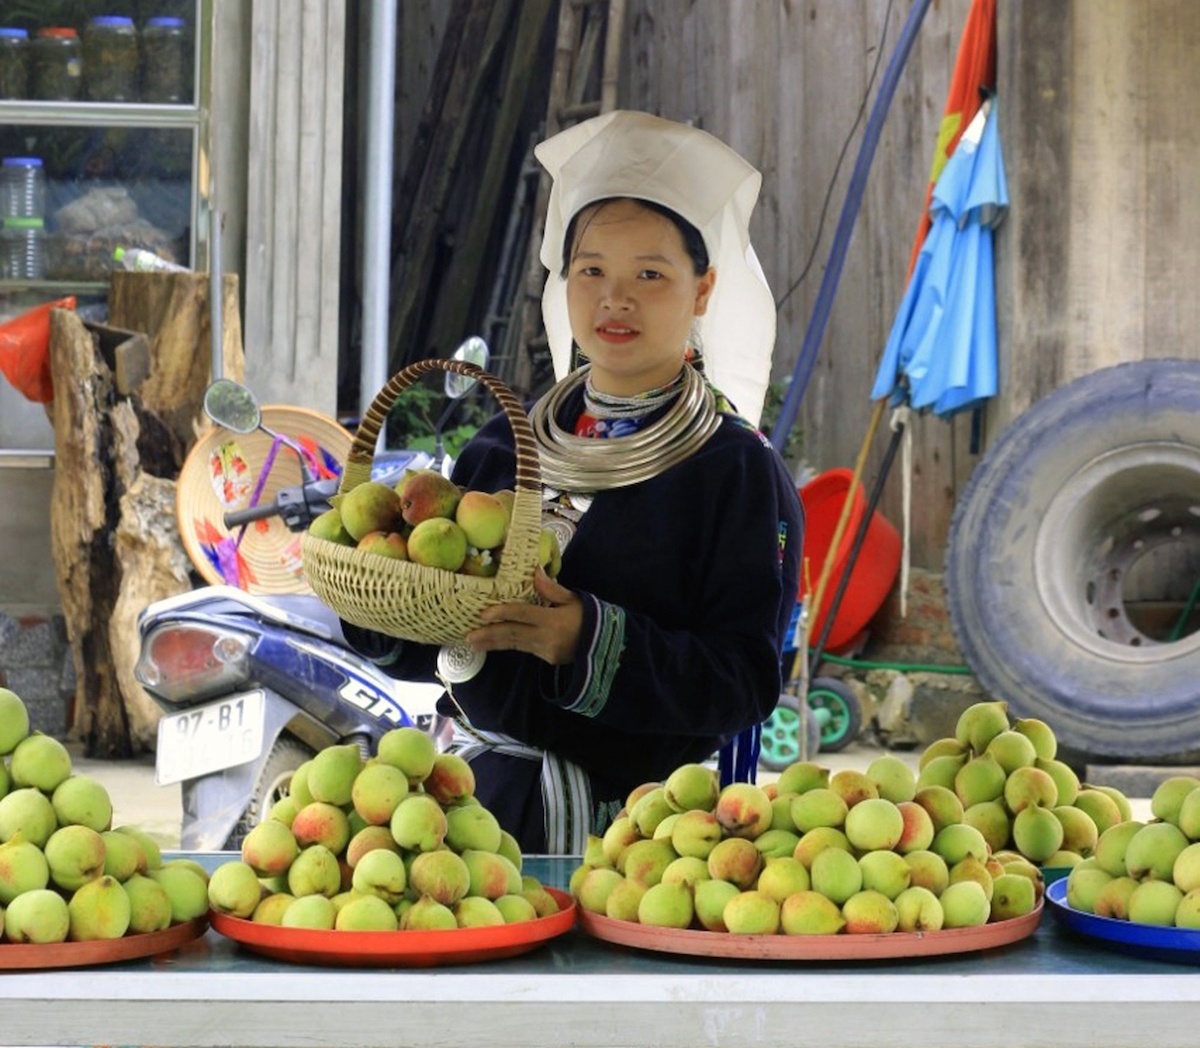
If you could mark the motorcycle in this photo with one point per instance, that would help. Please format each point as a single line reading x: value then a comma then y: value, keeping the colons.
x: 251, y: 686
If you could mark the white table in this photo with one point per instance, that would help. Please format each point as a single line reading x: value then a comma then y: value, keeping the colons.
x: 1052, y: 990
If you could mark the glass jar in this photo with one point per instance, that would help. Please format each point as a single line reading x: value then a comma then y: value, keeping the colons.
x: 22, y: 249
x: 56, y: 65
x: 14, y: 63
x: 110, y: 59
x: 164, y: 60
x: 22, y: 187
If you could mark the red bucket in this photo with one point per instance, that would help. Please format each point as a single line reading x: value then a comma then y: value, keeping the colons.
x: 874, y: 570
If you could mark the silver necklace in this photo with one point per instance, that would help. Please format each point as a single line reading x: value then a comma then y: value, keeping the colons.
x: 572, y: 463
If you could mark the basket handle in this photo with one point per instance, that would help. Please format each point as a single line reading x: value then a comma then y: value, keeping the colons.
x: 362, y: 451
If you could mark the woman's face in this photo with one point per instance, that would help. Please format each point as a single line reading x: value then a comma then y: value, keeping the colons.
x: 632, y: 292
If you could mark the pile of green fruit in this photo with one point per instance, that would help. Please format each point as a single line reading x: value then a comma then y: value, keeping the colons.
x: 394, y: 842
x: 1147, y: 872
x: 65, y: 873
x: 431, y: 521
x: 880, y: 850
x: 1004, y: 779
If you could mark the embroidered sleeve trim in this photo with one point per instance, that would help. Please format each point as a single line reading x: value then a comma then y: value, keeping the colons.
x: 603, y: 660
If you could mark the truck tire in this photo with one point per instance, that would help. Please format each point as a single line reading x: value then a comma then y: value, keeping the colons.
x: 1096, y: 487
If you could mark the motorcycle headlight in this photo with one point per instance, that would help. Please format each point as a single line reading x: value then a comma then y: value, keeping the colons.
x: 187, y: 662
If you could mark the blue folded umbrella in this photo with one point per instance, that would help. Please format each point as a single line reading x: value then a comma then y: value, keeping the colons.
x: 941, y: 352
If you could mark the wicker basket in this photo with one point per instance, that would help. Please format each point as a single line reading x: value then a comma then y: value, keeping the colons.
x: 411, y: 601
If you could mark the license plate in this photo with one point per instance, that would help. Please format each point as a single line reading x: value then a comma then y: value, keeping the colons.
x: 209, y: 738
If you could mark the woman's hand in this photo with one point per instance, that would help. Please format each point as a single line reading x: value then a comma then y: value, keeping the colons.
x: 549, y: 630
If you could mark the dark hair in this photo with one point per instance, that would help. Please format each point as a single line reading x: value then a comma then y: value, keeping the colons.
x: 693, y: 242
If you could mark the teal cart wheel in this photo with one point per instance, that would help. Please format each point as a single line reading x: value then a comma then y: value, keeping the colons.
x: 781, y: 734
x: 838, y: 712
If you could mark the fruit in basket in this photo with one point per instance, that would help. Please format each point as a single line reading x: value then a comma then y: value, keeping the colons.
x: 369, y: 506
x: 743, y: 810
x: 385, y: 544
x: 75, y: 855
x: 1037, y: 833
x: 918, y: 830
x: 692, y: 786
x: 84, y: 801
x: 329, y: 526
x: 491, y: 874
x: 549, y: 552
x: 149, y: 845
x: 38, y: 916
x: 14, y: 720
x: 1105, y: 811
x: 40, y: 761
x: 810, y: 913
x: 437, y: 543
x: 99, y: 910
x: 425, y: 494
x: 483, y: 518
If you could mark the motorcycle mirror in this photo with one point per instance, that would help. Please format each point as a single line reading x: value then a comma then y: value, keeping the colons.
x: 232, y: 405
x: 473, y: 350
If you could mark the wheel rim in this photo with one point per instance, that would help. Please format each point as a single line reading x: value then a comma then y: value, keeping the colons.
x: 781, y: 737
x: 275, y: 790
x: 1118, y: 515
x: 833, y: 712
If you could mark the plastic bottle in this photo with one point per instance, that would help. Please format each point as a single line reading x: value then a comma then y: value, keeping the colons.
x: 22, y: 249
x: 141, y: 261
x: 22, y: 187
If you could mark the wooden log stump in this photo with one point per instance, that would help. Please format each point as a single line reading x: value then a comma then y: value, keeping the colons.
x: 114, y: 536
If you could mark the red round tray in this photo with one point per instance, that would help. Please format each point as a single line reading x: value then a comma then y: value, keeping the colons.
x: 810, y: 947
x: 17, y: 956
x: 411, y: 949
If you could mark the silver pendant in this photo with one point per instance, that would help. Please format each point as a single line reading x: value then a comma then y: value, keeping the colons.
x: 457, y: 663
x: 562, y: 527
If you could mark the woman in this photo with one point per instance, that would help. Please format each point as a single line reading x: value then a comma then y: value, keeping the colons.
x: 660, y: 638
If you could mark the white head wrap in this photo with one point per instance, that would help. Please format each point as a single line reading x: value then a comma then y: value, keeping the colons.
x: 630, y: 154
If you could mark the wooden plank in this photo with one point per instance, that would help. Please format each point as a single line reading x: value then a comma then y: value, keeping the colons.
x: 285, y: 204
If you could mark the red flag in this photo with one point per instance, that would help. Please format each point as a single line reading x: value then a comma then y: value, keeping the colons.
x: 974, y: 69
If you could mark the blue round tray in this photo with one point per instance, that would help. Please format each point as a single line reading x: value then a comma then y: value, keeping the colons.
x: 1180, y: 945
